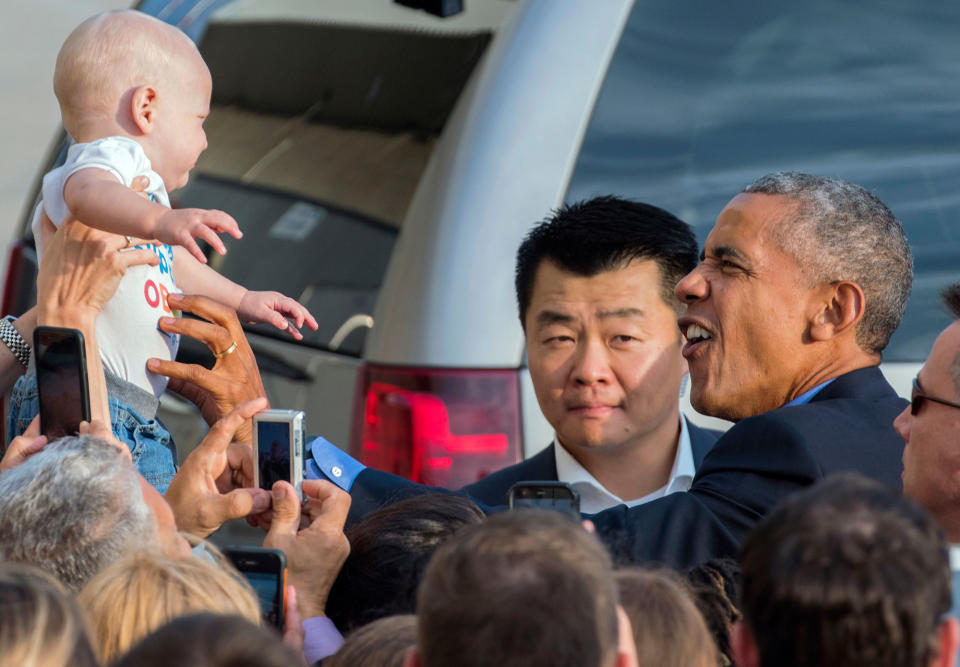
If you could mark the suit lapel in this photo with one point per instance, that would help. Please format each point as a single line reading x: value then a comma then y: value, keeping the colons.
x: 701, y: 442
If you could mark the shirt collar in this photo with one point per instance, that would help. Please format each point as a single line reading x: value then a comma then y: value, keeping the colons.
x: 807, y: 396
x: 595, y: 498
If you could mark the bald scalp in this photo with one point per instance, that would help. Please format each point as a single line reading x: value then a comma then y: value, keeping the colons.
x: 110, y: 54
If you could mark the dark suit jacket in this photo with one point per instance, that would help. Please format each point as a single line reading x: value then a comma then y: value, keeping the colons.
x: 847, y: 426
x: 492, y: 489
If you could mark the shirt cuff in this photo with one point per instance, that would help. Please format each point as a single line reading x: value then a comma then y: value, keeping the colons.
x: 321, y: 638
x: 327, y: 461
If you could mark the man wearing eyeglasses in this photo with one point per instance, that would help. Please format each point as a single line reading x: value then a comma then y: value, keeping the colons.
x: 930, y: 425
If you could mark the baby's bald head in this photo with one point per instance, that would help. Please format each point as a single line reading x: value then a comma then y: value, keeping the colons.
x: 111, y: 54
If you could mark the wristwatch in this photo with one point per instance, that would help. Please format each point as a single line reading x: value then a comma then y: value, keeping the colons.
x: 14, y: 341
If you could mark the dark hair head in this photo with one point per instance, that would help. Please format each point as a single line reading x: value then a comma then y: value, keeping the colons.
x: 211, y: 640
x: 605, y: 234
x: 522, y: 588
x: 847, y: 573
x: 841, y: 231
x: 40, y: 624
x: 667, y: 626
x: 389, y: 551
x: 383, y: 643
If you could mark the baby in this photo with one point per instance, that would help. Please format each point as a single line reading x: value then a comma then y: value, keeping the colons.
x: 133, y: 94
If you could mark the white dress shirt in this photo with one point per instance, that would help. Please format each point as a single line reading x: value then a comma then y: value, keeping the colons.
x: 595, y: 498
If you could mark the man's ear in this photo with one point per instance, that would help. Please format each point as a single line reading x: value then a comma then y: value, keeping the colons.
x: 412, y: 658
x: 840, y: 311
x: 143, y: 103
x: 948, y: 638
x: 743, y: 646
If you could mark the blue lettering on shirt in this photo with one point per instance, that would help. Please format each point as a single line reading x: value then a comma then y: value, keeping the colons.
x: 165, y: 253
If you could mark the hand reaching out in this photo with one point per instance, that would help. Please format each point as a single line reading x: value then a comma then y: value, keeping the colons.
x: 274, y: 308
x: 180, y: 227
x: 23, y: 446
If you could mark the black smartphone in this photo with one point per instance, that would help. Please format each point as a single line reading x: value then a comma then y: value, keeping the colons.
x: 556, y: 496
x: 266, y: 571
x: 61, y: 380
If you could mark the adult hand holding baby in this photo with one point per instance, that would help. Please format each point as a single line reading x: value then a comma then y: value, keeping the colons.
x: 234, y: 378
x: 80, y: 275
x: 85, y: 267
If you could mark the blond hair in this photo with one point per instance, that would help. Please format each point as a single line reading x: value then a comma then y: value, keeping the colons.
x: 40, y: 624
x: 668, y: 629
x: 143, y: 591
x: 112, y: 53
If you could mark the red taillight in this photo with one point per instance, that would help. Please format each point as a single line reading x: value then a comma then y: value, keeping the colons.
x: 439, y: 427
x: 20, y: 280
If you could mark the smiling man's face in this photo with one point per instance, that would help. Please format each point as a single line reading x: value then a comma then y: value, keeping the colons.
x: 604, y: 354
x: 748, y: 309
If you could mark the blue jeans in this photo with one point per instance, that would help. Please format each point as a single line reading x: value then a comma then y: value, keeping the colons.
x: 151, y: 445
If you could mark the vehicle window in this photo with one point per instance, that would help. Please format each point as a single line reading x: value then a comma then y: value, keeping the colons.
x: 699, y: 102
x: 329, y: 259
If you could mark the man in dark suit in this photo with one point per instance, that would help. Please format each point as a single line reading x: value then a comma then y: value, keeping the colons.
x: 803, y: 280
x: 595, y: 293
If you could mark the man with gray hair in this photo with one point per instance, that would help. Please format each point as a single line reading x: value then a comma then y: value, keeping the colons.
x: 73, y: 508
x: 802, y: 281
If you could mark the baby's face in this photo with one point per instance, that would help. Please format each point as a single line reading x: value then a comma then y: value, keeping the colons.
x: 178, y: 138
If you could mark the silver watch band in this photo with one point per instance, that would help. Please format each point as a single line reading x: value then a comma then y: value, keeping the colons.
x: 14, y: 341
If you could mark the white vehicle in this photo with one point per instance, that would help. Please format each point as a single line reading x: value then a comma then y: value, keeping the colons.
x: 385, y: 164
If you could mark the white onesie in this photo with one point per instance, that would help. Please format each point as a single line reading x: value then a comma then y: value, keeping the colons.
x: 126, y: 329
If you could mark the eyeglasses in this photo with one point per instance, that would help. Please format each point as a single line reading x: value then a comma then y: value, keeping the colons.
x: 917, y: 397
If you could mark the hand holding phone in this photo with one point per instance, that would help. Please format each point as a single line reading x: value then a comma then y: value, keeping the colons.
x: 61, y: 380
x: 555, y: 496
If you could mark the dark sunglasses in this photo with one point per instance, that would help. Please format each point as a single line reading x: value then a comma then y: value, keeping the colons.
x: 917, y: 397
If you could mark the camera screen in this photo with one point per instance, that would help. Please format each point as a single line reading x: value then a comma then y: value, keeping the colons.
x: 59, y: 379
x: 273, y: 457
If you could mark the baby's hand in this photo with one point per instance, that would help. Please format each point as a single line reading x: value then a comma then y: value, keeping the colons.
x: 180, y: 226
x: 274, y: 308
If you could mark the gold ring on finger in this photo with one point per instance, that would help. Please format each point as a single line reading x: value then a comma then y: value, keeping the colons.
x: 229, y: 350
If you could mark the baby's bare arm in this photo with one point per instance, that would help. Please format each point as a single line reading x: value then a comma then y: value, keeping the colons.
x: 96, y: 195
x: 274, y: 308
x: 192, y: 277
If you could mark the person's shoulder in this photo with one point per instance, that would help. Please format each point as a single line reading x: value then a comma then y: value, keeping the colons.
x: 702, y: 441
x: 492, y: 489
x: 863, y: 392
